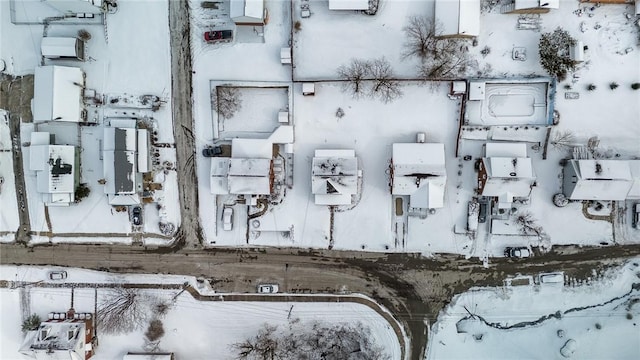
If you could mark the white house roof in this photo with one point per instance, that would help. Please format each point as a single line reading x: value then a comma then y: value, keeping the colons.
x: 149, y: 356
x: 252, y: 148
x: 348, y: 4
x: 458, y: 17
x: 531, y: 4
x: 247, y: 10
x: 602, y: 180
x: 249, y: 176
x: 218, y: 175
x: 517, y: 150
x: 419, y: 170
x: 508, y: 177
x: 634, y: 165
x: 55, y: 168
x: 57, y: 94
x: 334, y: 176
x: 58, y: 46
x: 57, y: 340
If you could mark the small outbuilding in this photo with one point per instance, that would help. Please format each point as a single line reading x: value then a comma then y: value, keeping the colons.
x: 67, y: 48
x: 247, y: 12
x: 348, y: 4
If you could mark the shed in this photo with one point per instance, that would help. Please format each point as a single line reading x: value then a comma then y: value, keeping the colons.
x: 62, y: 48
x: 247, y: 12
x: 458, y: 18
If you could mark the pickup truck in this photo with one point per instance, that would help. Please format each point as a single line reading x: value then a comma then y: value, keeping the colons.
x: 215, y: 36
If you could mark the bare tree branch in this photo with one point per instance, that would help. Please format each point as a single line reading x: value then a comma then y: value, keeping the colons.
x: 355, y: 73
x: 227, y: 101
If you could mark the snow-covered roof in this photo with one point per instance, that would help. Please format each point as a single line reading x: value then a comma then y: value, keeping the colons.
x: 419, y: 170
x: 58, y: 46
x: 634, y: 166
x: 334, y: 176
x: 120, y: 160
x: 348, y: 4
x: 218, y: 175
x: 57, y: 94
x: 252, y: 148
x: 508, y: 177
x: 247, y: 11
x: 602, y: 179
x: 249, y: 176
x: 458, y: 17
x: 517, y: 150
x: 532, y: 4
x: 57, y: 340
x: 55, y: 167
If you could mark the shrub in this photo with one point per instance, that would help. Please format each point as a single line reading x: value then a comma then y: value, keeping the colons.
x: 155, y: 330
x: 567, y: 86
x: 635, y: 86
x: 297, y: 26
x: 31, y: 323
x: 591, y: 87
x: 613, y: 85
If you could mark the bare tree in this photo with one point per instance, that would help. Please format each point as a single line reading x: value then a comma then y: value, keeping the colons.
x: 356, y: 72
x: 441, y: 57
x: 385, y: 87
x: 316, y: 341
x: 529, y: 225
x: 123, y: 310
x: 227, y: 101
x: 563, y: 140
x: 421, y: 37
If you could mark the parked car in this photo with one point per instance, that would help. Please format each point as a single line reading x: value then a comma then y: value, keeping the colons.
x: 482, y: 215
x: 218, y: 36
x: 136, y: 215
x: 268, y: 288
x: 552, y: 278
x: 57, y: 275
x: 517, y: 252
x: 212, y: 151
x: 636, y: 216
x: 227, y: 218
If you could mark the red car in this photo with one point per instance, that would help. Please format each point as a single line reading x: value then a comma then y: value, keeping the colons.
x: 218, y: 35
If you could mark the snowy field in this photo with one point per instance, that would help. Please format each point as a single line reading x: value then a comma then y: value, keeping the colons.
x: 192, y: 328
x: 598, y: 318
x: 118, y: 63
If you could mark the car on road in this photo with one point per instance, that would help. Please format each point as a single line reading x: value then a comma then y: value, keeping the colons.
x: 218, y: 36
x: 212, y: 151
x: 57, y: 275
x: 136, y: 216
x: 268, y: 288
x: 227, y: 218
x: 517, y: 252
x: 636, y: 216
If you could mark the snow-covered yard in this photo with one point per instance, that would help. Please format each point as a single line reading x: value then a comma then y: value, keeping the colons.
x: 596, y: 319
x: 9, y: 220
x: 193, y: 329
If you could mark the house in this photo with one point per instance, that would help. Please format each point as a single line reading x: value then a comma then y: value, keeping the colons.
x: 247, y: 12
x: 334, y: 177
x: 609, y: 180
x: 63, y: 336
x: 57, y: 94
x: 418, y: 171
x: 348, y: 4
x: 505, y: 173
x: 457, y: 18
x: 125, y: 154
x: 73, y: 7
x: 529, y: 6
x: 249, y: 171
x: 56, y: 167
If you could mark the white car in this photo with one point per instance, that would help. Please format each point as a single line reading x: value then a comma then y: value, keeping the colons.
x: 57, y: 275
x: 268, y: 288
x: 227, y: 219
